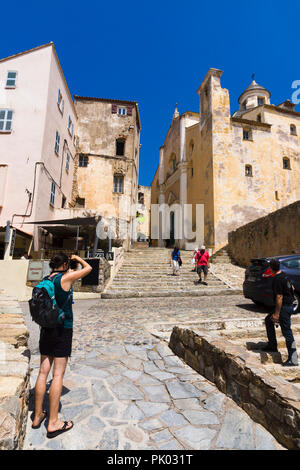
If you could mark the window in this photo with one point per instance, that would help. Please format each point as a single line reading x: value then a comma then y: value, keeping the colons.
x: 259, y: 118
x: 80, y: 202
x: 277, y: 196
x: 141, y: 198
x: 260, y: 101
x: 286, y: 163
x: 52, y: 196
x: 83, y: 161
x: 293, y: 263
x: 247, y: 135
x: 59, y: 98
x: 293, y: 129
x: 11, y: 79
x: 118, y: 184
x: 191, y: 149
x: 120, y: 147
x: 174, y: 164
x: 68, y: 162
x: 63, y: 202
x: 6, y: 116
x: 248, y: 170
x: 192, y: 172
x: 122, y: 111
x: 244, y: 105
x: 60, y: 102
x: 70, y: 126
x: 57, y: 139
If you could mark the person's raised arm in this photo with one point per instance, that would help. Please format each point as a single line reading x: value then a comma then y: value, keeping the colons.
x: 73, y: 276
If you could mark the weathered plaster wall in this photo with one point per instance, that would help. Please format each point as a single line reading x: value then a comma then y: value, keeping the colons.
x: 200, y: 181
x: 275, y: 234
x: 143, y: 222
x: 239, y: 198
x: 217, y: 152
x: 98, y: 129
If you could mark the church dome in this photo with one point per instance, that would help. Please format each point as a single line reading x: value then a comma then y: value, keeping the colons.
x: 254, y: 95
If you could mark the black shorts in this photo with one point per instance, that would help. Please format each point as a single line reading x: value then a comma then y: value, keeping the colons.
x: 202, y: 268
x: 56, y: 342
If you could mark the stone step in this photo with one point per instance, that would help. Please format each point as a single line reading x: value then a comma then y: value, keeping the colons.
x: 151, y: 284
x: 159, y: 272
x: 165, y: 288
x: 167, y: 293
x: 167, y: 277
x: 177, y: 282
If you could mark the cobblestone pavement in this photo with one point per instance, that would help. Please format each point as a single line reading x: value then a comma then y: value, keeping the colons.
x: 124, y: 388
x: 230, y: 273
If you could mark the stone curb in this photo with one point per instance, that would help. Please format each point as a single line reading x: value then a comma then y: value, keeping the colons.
x: 269, y: 400
x: 14, y: 376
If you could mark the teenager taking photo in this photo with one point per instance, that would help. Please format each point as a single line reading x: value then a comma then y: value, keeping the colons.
x: 56, y: 343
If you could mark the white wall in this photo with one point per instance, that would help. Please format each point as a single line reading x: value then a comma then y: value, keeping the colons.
x: 13, y: 277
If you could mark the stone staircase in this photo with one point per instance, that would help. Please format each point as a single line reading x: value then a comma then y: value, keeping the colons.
x: 146, y: 272
x: 221, y: 257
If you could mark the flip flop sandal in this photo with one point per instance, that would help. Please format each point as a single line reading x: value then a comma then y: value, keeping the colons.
x: 50, y: 435
x: 39, y: 425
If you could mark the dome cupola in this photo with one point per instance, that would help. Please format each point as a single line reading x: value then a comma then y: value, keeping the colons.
x: 254, y: 95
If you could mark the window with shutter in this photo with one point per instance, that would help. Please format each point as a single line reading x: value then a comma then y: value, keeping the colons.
x: 118, y: 183
x: 57, y: 140
x: 122, y: 111
x: 6, y: 116
x: 68, y: 162
x: 114, y: 108
x: 52, y: 195
x: 11, y: 79
x: 129, y: 111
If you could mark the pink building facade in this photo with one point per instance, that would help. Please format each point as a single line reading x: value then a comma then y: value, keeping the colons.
x: 37, y: 141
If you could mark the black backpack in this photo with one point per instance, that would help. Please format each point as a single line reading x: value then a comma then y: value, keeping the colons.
x: 43, y: 306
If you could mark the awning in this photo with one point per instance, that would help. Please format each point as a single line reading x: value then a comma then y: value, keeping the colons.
x: 79, y: 221
x: 19, y: 232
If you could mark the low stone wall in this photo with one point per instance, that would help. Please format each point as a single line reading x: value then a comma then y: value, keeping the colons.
x: 275, y: 234
x: 14, y: 374
x: 117, y: 262
x: 269, y: 400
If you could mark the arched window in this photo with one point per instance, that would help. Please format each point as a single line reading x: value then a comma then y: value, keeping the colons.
x: 293, y: 129
x: 286, y: 163
x: 248, y: 170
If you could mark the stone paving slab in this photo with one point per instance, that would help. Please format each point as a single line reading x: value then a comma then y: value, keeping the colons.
x: 125, y: 389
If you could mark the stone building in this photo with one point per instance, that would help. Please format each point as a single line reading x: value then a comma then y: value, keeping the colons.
x: 108, y: 163
x: 239, y: 167
x: 143, y: 217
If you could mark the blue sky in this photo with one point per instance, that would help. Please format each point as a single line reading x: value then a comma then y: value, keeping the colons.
x: 157, y: 53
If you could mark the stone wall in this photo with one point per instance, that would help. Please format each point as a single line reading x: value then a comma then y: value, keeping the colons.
x: 117, y: 262
x: 268, y: 400
x: 14, y: 374
x: 275, y: 234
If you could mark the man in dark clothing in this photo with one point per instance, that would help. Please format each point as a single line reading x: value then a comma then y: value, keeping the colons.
x: 283, y: 297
